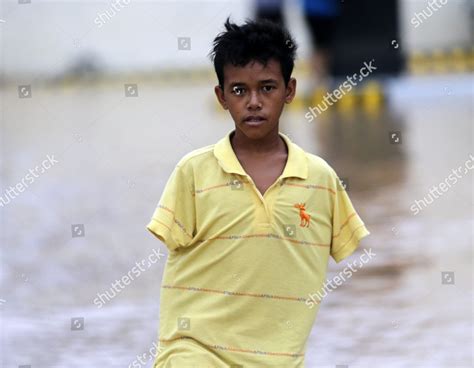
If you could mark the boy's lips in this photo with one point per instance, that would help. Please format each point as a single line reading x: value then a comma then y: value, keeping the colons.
x: 254, y: 120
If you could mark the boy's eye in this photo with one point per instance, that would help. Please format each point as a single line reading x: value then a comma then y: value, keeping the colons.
x: 268, y: 88
x: 237, y: 90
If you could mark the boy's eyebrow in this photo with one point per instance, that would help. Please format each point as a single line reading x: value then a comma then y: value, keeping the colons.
x: 269, y: 81
x: 233, y: 84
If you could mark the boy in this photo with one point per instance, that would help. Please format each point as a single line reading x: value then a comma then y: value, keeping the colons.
x: 249, y: 222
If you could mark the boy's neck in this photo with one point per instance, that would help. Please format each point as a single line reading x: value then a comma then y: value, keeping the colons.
x: 271, y: 143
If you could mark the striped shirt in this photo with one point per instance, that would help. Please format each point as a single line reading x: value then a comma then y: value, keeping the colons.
x: 241, y: 264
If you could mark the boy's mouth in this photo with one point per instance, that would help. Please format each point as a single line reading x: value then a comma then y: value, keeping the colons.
x: 254, y: 120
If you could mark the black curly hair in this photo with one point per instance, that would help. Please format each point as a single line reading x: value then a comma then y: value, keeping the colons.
x: 260, y: 41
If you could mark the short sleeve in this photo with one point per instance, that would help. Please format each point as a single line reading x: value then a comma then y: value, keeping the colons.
x: 173, y: 221
x: 347, y: 227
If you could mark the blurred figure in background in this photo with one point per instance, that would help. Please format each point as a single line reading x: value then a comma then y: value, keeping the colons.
x: 321, y: 17
x: 271, y: 10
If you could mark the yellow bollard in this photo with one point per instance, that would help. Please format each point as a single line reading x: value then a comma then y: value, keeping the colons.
x: 459, y: 60
x: 347, y: 102
x: 471, y: 60
x: 439, y: 61
x: 317, y: 97
x: 418, y: 63
x: 372, y: 96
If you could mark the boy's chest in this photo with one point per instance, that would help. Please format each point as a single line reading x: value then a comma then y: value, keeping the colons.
x: 229, y: 207
x: 264, y: 172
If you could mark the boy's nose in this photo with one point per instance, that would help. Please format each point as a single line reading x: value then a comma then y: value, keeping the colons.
x: 254, y: 101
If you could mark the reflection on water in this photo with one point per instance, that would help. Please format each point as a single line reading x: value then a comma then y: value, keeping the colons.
x: 395, y: 310
x: 358, y: 144
x: 114, y: 157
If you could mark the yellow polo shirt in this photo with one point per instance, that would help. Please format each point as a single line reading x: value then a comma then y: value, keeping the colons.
x: 241, y: 265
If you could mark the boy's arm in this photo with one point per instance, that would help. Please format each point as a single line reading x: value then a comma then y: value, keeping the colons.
x: 347, y: 227
x: 173, y: 221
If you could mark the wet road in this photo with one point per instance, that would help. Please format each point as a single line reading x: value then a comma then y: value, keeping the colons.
x: 114, y: 155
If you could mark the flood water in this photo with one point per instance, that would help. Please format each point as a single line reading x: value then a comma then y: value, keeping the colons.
x: 114, y: 156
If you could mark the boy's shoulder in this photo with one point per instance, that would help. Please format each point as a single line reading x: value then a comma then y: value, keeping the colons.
x: 317, y: 162
x: 196, y: 157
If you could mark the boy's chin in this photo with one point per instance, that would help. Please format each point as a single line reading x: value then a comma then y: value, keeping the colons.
x: 256, y: 132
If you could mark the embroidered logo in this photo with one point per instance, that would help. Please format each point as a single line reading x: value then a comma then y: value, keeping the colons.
x: 304, y: 216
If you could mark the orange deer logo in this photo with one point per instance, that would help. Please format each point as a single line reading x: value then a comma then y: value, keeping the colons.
x: 304, y: 216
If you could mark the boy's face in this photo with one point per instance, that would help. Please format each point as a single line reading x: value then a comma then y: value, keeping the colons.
x: 255, y: 91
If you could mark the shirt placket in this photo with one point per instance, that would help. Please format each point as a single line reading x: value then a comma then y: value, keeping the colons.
x: 264, y: 219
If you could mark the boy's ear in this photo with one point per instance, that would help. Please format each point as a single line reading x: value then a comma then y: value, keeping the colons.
x: 290, y: 90
x: 220, y: 96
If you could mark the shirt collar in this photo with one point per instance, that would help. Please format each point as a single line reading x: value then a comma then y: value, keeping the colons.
x: 296, y: 164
